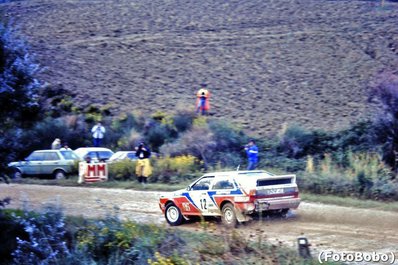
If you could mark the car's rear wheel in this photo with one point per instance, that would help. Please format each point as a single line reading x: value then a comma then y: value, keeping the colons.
x: 284, y: 213
x: 228, y: 216
x: 59, y: 174
x: 173, y: 215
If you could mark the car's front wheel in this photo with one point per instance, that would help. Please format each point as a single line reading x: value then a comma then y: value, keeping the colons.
x: 173, y: 215
x: 59, y: 174
x: 228, y: 216
x: 16, y: 174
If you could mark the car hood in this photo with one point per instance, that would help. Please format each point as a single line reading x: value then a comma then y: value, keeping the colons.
x: 14, y: 164
x: 172, y: 193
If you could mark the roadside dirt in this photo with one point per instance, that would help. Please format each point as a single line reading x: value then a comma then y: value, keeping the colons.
x: 327, y: 227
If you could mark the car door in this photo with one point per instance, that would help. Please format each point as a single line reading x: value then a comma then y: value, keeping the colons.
x: 199, y: 194
x: 32, y: 164
x: 51, y: 160
x: 222, y: 189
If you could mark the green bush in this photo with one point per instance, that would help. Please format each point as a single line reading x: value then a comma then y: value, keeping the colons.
x: 174, y: 169
x: 183, y: 120
x: 365, y: 176
x: 122, y: 170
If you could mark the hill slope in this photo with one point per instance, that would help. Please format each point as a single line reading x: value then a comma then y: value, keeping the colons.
x: 265, y: 62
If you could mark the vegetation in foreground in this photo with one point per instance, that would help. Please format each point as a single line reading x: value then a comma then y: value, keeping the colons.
x: 48, y: 237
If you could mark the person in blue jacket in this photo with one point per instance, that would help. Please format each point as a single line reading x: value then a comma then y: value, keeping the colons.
x: 252, y: 154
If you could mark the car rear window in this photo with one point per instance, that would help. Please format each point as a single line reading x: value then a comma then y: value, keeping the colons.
x: 270, y: 182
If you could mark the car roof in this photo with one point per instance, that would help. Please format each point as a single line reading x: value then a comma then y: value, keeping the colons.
x: 124, y: 152
x: 50, y: 150
x: 83, y: 150
x: 91, y: 149
x: 238, y: 173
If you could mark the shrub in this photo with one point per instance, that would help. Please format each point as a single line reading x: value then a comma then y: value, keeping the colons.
x: 157, y: 135
x: 122, y: 170
x: 183, y: 120
x: 46, y: 243
x: 384, y: 90
x: 174, y: 169
x: 365, y: 176
x: 198, y: 142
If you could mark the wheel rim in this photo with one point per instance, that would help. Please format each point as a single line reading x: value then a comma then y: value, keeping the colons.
x: 229, y: 215
x: 59, y: 175
x: 172, y: 214
x: 17, y: 175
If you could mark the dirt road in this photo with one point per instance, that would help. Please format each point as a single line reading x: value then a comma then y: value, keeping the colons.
x: 327, y: 227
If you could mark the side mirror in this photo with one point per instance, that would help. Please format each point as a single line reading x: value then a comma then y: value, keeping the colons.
x: 188, y: 188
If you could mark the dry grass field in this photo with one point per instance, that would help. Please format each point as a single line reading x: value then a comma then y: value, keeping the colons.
x: 266, y: 62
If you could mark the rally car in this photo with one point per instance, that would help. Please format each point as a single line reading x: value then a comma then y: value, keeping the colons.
x: 233, y: 196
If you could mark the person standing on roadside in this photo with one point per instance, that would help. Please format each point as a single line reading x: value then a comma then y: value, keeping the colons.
x: 252, y: 154
x: 65, y: 147
x: 143, y: 168
x: 56, y: 144
x: 98, y: 132
x: 202, y: 100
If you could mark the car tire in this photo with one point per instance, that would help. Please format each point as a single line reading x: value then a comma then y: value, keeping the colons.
x: 173, y: 215
x: 228, y: 216
x: 284, y: 213
x: 59, y: 174
x: 16, y: 174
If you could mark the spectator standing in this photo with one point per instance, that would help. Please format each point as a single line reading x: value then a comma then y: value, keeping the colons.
x: 252, y: 154
x: 65, y: 147
x: 98, y: 132
x: 56, y: 144
x: 202, y: 100
x: 143, y: 168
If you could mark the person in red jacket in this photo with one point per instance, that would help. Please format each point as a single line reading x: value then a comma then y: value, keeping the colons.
x: 202, y: 100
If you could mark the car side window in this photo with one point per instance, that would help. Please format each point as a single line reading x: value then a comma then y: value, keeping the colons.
x: 35, y: 157
x: 69, y: 155
x: 223, y: 184
x: 50, y: 156
x: 131, y: 156
x: 92, y: 154
x: 203, y: 184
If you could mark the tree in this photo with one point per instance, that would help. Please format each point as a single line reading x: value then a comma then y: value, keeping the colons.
x: 384, y: 90
x: 19, y: 93
x: 198, y: 141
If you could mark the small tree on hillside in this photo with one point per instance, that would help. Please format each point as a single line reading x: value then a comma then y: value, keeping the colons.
x: 385, y: 91
x: 18, y: 93
x: 198, y: 141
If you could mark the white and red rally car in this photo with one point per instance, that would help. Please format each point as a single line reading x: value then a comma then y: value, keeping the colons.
x: 232, y: 195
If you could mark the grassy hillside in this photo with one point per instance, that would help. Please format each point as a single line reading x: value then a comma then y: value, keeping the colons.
x: 266, y: 62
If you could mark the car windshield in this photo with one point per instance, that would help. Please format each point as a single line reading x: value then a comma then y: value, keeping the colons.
x: 35, y: 156
x: 115, y: 156
x: 69, y: 155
